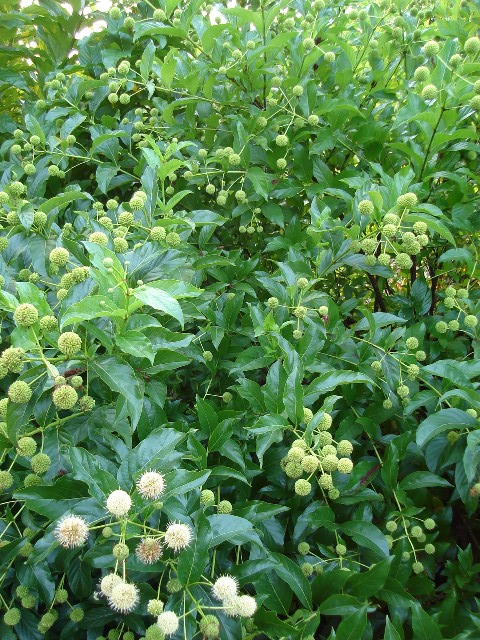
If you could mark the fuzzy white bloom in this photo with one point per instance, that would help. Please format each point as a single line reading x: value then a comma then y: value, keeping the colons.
x: 119, y: 503
x: 241, y: 607
x: 177, y: 536
x: 167, y: 622
x: 108, y: 583
x: 225, y: 588
x: 71, y: 531
x: 151, y: 485
x: 124, y: 597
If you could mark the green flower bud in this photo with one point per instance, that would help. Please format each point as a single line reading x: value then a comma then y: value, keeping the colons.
x: 64, y: 397
x: 302, y: 487
x: 40, y: 463
x: 225, y: 507
x: 19, y: 392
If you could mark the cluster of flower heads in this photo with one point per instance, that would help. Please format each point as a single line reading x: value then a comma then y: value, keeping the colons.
x: 411, y: 535
x: 397, y: 238
x: 122, y: 595
x: 320, y: 461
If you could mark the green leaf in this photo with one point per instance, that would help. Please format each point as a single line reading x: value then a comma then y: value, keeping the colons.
x: 340, y: 605
x: 353, y: 626
x: 291, y: 573
x: 231, y: 529
x: 260, y: 181
x: 180, y: 481
x: 390, y: 632
x: 424, y: 627
x: 90, y: 308
x: 160, y: 300
x: 120, y: 377
x: 147, y: 60
x: 366, y: 535
x: 153, y: 453
x: 423, y: 479
x: 58, y: 202
x: 193, y: 560
x: 136, y: 344
x: 85, y: 467
x: 443, y: 420
x: 368, y: 583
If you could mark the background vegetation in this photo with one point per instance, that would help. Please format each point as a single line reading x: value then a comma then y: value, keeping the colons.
x: 239, y: 313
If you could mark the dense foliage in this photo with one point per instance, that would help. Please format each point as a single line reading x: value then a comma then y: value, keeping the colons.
x: 239, y: 306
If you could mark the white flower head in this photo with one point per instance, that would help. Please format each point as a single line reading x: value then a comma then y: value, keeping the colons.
x: 151, y: 485
x: 119, y: 503
x: 225, y: 588
x: 178, y: 536
x: 241, y: 607
x: 124, y: 597
x: 71, y: 532
x: 108, y: 583
x: 167, y: 622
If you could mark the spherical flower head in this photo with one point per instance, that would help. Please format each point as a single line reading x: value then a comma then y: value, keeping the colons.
x: 422, y: 74
x: 151, y: 485
x: 307, y: 415
x: 119, y: 503
x: 472, y: 46
x: 281, y: 140
x: 48, y: 323
x: 149, y: 550
x: 345, y: 465
x: 227, y: 397
x: 108, y: 583
x: 59, y: 256
x: 300, y: 312
x: 98, y: 237
x: 12, y: 617
x: 6, y: 480
x: 309, y: 464
x: 470, y: 321
x: 296, y: 454
x: 431, y: 48
x: 429, y: 92
x: 472, y: 412
x: 64, y: 397
x: 40, y: 463
x: 32, y: 480
x: 76, y: 381
x: 17, y: 188
x: 307, y: 569
x: 413, y: 371
x: 391, y: 526
x: 429, y: 524
x: 411, y: 343
x: 69, y: 343
x: 26, y: 447
x: 124, y: 597
x: 417, y: 567
x: 225, y: 588
x: 429, y: 549
x: 158, y: 233
x: 121, y: 551
x: 313, y: 120
x: 77, y: 614
x: 71, y: 532
x: 209, y: 626
x: 387, y: 403
x: 403, y: 391
x: 302, y: 487
x: 407, y: 200
x: 241, y: 606
x: 178, y: 536
x: 344, y: 448
x: 325, y: 422
x: 365, y: 207
x: 25, y: 315
x: 272, y: 303
x: 262, y: 122
x: 403, y: 261
x: 330, y: 463
x: 330, y: 57
x: 302, y: 283
x: 297, y: 90
x: 207, y: 497
x: 155, y: 607
x: 173, y: 239
x: 19, y: 392
x: 441, y: 326
x: 293, y: 469
x: 168, y: 623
